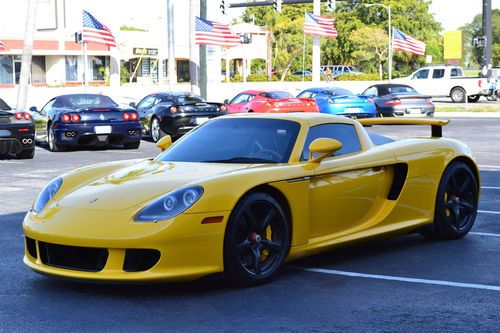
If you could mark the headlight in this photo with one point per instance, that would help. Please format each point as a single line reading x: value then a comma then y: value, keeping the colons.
x: 47, y: 193
x: 170, y: 205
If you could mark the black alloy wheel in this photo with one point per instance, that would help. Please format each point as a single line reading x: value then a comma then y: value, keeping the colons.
x: 257, y: 240
x: 456, y: 202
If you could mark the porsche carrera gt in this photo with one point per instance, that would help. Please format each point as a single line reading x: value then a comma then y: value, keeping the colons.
x: 242, y: 194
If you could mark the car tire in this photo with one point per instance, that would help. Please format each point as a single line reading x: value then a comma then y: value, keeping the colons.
x: 156, y: 132
x: 26, y: 154
x: 457, y: 95
x: 132, y: 145
x: 473, y: 98
x: 257, y: 240
x: 456, y: 203
x: 51, y: 140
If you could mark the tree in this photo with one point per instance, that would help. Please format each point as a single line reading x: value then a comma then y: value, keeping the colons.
x: 372, y: 48
x: 475, y: 29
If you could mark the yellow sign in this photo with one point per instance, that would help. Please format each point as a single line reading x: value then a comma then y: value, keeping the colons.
x: 453, y: 44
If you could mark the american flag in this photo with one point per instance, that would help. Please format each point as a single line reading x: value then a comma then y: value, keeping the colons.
x: 319, y: 26
x: 2, y: 45
x: 406, y: 43
x: 95, y: 31
x: 214, y: 33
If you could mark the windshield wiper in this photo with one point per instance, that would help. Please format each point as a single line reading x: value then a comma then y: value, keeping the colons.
x: 241, y: 159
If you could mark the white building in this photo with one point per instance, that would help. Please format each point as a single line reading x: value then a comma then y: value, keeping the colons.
x: 140, y: 29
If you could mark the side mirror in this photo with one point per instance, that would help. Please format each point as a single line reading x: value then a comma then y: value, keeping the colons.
x: 226, y: 101
x: 164, y: 142
x: 323, y: 146
x: 132, y: 104
x: 33, y: 109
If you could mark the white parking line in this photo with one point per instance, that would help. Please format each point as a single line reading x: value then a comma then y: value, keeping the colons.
x: 484, y: 234
x: 399, y: 278
x: 488, y: 212
x: 488, y: 166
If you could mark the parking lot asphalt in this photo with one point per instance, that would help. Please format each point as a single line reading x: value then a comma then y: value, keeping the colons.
x: 391, y: 285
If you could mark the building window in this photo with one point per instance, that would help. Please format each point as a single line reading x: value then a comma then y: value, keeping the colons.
x: 71, y: 68
x: 98, y: 68
x: 6, y: 76
x: 38, y: 69
x: 183, y: 71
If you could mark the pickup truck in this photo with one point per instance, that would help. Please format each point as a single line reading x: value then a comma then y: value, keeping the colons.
x: 447, y: 81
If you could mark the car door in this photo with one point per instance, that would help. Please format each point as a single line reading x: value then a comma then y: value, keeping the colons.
x: 343, y: 198
x: 41, y: 121
x: 420, y: 82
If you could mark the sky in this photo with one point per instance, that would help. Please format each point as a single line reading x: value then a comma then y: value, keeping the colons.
x: 456, y: 13
x: 451, y: 13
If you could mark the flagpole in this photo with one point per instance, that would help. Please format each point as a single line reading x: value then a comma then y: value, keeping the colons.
x: 303, y: 55
x: 85, y: 60
x: 390, y: 43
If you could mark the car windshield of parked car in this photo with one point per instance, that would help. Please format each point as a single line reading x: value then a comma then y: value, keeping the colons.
x: 189, y: 99
x: 276, y: 95
x: 3, y: 105
x: 84, y: 101
x: 236, y: 140
x: 241, y: 98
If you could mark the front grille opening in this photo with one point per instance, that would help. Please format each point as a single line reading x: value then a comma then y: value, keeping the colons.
x: 73, y: 257
x: 31, y: 247
x: 138, y: 260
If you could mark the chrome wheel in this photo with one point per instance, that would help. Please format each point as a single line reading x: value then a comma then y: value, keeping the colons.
x: 51, y: 139
x: 155, y: 130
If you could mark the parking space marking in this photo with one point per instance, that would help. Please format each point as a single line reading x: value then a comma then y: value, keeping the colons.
x: 488, y: 212
x: 399, y: 278
x: 481, y: 166
x: 484, y: 234
x: 490, y: 187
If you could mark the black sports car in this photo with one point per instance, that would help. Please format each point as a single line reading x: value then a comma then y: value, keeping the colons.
x: 399, y: 100
x: 17, y: 132
x: 86, y: 119
x: 174, y: 113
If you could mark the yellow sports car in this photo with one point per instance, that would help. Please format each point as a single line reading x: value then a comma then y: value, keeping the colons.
x: 241, y: 194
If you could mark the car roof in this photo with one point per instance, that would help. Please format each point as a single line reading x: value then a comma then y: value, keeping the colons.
x: 75, y: 95
x: 260, y: 91
x: 389, y: 85
x: 320, y: 89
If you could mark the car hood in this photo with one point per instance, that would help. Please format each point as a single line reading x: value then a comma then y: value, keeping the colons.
x: 140, y: 183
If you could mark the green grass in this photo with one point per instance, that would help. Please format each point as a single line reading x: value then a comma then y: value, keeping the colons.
x: 486, y: 108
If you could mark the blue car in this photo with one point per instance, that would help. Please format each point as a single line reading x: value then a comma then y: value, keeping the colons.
x: 341, y: 102
x: 86, y: 119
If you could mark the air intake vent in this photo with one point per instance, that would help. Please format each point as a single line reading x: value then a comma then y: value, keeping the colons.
x: 73, y: 257
x: 138, y: 260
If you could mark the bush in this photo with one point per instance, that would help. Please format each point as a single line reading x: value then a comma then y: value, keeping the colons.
x: 257, y: 78
x: 357, y: 77
x: 297, y: 78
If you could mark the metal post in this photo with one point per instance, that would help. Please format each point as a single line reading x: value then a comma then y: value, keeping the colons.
x: 203, y: 54
x: 316, y: 53
x: 194, y: 54
x: 85, y: 65
x: 24, y: 78
x: 390, y: 43
x: 487, y: 32
x: 172, y: 75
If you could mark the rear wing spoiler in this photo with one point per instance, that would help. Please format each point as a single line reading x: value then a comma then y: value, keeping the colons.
x: 436, y: 124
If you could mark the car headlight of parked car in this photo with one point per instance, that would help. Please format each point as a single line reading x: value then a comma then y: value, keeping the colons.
x: 47, y: 193
x: 170, y: 205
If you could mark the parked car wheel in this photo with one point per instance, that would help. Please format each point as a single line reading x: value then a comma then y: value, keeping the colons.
x: 156, y: 132
x: 257, y: 240
x: 51, y: 137
x: 457, y: 95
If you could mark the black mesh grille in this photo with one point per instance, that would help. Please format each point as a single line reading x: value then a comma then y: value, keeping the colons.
x: 138, y: 260
x: 31, y: 247
x: 73, y: 257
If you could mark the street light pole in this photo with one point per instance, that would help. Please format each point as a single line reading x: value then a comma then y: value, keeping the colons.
x: 388, y: 8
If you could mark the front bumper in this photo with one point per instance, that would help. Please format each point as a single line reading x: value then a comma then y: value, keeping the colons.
x: 174, y: 250
x: 85, y: 134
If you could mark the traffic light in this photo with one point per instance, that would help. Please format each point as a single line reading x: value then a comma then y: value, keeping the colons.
x: 277, y: 6
x: 330, y: 5
x: 224, y: 5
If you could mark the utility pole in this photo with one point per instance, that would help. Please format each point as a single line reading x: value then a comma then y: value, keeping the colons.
x: 487, y: 32
x: 194, y: 56
x: 24, y: 78
x: 203, y: 54
x: 172, y: 74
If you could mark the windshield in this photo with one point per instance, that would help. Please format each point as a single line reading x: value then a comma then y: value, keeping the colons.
x: 237, y: 140
x: 84, y: 101
x: 277, y: 95
x: 187, y: 99
x: 3, y: 105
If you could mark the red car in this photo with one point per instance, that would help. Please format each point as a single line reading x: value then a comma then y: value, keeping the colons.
x: 269, y: 101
